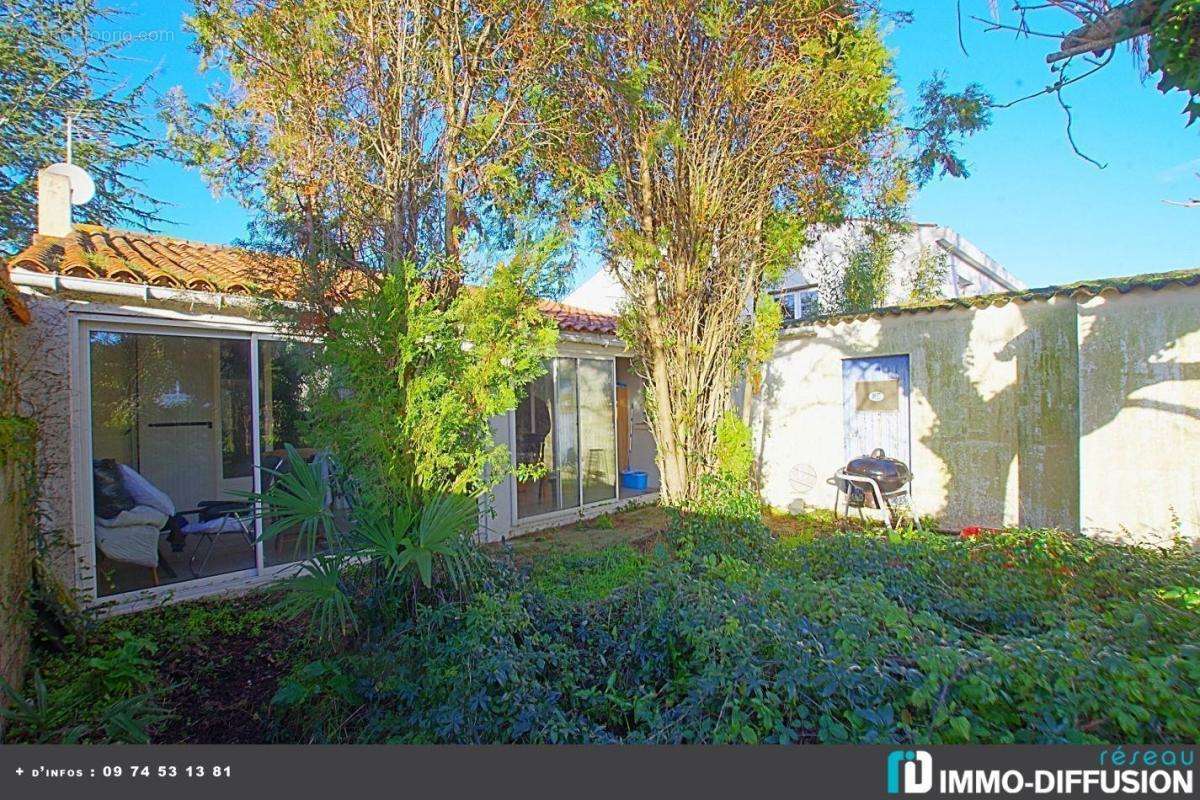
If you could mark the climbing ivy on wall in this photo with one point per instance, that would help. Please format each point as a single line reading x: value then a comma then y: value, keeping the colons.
x: 17, y: 492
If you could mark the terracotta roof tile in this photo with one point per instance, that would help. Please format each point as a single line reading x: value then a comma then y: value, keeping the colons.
x: 115, y: 255
x: 573, y: 318
x: 13, y: 303
x: 101, y: 253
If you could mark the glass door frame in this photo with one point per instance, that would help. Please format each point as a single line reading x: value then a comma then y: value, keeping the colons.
x: 81, y: 412
x: 579, y: 504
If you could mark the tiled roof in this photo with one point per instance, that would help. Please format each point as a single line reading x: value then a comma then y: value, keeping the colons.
x: 101, y: 253
x: 1086, y: 288
x: 13, y: 303
x: 573, y: 318
x: 91, y: 251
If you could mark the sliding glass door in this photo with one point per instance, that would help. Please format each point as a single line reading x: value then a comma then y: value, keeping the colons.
x: 566, y: 432
x: 597, y: 429
x: 566, y: 437
x: 176, y: 445
x: 288, y: 381
x: 171, y: 436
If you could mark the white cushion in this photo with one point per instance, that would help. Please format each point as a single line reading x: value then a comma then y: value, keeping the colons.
x: 135, y: 517
x: 134, y: 544
x: 143, y: 492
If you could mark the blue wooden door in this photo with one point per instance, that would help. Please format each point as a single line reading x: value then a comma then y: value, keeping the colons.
x: 875, y: 395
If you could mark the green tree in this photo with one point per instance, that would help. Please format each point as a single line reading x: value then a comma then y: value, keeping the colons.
x: 928, y: 275
x: 863, y: 281
x: 399, y: 131
x: 424, y: 381
x: 388, y: 144
x: 54, y: 65
x: 392, y: 153
x: 710, y: 136
x: 700, y: 130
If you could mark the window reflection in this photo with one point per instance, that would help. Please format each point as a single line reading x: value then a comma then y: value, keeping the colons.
x: 170, y: 417
x: 565, y: 430
x: 289, y: 383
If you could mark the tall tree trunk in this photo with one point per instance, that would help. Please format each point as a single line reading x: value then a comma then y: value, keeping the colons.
x: 672, y: 461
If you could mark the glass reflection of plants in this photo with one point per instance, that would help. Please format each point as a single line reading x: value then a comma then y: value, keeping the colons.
x: 291, y: 380
x: 237, y: 439
x: 296, y: 380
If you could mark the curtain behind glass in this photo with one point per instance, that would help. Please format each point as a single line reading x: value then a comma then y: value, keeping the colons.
x: 533, y: 447
x: 169, y: 415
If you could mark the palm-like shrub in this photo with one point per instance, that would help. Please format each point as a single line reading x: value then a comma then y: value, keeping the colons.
x: 378, y: 558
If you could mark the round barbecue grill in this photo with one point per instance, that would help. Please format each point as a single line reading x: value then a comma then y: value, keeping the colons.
x: 873, y: 481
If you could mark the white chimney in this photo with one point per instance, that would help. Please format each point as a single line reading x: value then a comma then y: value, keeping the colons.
x: 54, y: 203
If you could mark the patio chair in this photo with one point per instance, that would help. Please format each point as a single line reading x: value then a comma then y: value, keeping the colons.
x: 219, y: 517
x: 132, y: 515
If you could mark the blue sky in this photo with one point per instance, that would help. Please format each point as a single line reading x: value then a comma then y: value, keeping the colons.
x: 1030, y: 202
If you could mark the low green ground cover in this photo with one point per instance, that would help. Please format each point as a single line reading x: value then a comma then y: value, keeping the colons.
x: 720, y: 632
x: 193, y: 672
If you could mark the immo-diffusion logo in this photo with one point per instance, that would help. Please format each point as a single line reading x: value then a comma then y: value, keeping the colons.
x: 909, y: 772
x: 1120, y: 771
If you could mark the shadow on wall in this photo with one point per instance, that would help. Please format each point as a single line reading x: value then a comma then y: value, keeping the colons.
x: 1017, y: 447
x: 1140, y: 414
x: 1003, y: 391
x: 1008, y: 434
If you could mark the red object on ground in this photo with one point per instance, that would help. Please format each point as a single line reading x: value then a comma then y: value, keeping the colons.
x: 972, y: 531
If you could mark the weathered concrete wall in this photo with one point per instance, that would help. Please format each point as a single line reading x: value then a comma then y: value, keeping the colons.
x: 43, y: 355
x: 1140, y: 414
x: 1053, y: 413
x: 497, y: 507
x: 992, y: 413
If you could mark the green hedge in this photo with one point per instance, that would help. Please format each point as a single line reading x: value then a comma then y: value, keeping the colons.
x: 727, y: 636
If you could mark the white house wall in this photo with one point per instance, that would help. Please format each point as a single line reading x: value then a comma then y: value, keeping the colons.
x: 53, y: 387
x: 829, y: 250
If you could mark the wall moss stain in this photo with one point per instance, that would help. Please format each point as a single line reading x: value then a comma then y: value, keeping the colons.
x: 43, y: 352
x: 18, y: 440
x: 1073, y: 412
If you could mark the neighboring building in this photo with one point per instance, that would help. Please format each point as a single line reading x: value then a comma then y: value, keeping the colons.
x: 1074, y: 407
x: 151, y: 355
x: 968, y: 271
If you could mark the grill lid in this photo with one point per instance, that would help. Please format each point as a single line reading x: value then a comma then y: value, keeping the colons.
x: 890, y: 473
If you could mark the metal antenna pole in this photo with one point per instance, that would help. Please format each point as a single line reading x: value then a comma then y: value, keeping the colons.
x: 69, y: 120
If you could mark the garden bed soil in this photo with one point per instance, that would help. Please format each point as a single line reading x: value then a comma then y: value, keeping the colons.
x: 641, y: 528
x: 221, y: 682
